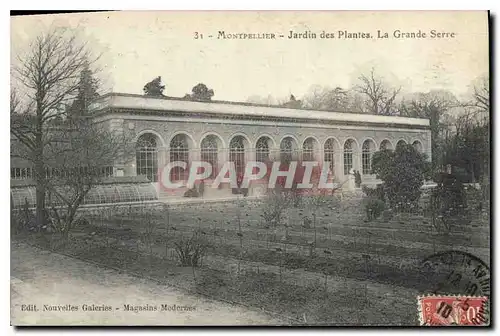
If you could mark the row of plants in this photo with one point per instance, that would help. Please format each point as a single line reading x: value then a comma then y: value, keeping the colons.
x: 304, y: 305
x: 190, y: 251
x: 249, y: 239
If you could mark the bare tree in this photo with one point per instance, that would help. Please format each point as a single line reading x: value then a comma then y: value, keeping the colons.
x: 79, y: 155
x: 481, y: 103
x: 315, y: 98
x: 269, y: 100
x: 482, y: 94
x: 380, y: 99
x: 14, y: 102
x: 48, y: 76
x: 477, y: 106
x: 433, y: 105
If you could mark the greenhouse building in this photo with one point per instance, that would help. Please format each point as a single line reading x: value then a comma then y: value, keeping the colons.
x: 168, y: 129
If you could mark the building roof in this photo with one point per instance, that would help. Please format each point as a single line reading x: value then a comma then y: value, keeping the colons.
x: 234, y: 110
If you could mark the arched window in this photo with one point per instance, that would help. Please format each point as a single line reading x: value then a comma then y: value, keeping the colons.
x: 308, y: 150
x: 209, y: 153
x: 400, y: 143
x: 237, y: 153
x: 262, y: 150
x: 179, y: 151
x: 329, y: 154
x: 366, y: 156
x: 348, y: 157
x: 286, y: 150
x: 147, y: 156
x: 418, y: 146
x: 385, y: 144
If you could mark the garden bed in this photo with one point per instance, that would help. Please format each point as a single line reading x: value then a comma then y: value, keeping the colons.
x: 302, y: 305
x: 335, y: 268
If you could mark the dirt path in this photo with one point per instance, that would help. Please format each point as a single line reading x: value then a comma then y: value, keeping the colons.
x: 43, y: 278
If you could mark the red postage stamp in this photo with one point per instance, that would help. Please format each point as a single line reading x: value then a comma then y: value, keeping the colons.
x: 453, y: 310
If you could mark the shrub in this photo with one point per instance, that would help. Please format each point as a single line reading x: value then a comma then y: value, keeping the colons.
x: 22, y: 220
x: 274, y: 206
x: 403, y: 173
x: 295, y: 195
x: 16, y: 222
x: 374, y: 208
x: 449, y: 197
x: 387, y: 215
x: 191, y: 193
x: 59, y: 221
x: 378, y: 192
x: 307, y: 222
x: 191, y: 250
x: 474, y: 197
x: 316, y: 202
x: 82, y: 221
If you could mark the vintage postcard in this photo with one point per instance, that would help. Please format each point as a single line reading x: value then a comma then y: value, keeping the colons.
x: 237, y: 168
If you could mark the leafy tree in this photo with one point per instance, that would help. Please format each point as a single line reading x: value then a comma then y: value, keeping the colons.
x: 448, y: 202
x: 154, y: 88
x: 465, y: 145
x: 402, y: 172
x: 293, y: 103
x: 469, y: 149
x: 87, y: 92
x: 200, y: 92
x: 381, y: 162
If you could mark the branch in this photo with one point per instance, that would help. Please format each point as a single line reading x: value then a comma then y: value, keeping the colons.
x: 23, y: 138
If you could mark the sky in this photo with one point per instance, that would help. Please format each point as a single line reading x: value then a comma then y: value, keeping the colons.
x: 139, y: 46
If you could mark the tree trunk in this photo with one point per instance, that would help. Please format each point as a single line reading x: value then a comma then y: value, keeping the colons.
x: 40, y: 192
x: 39, y: 166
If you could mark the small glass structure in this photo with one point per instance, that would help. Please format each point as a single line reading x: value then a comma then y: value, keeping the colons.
x: 112, y: 193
